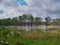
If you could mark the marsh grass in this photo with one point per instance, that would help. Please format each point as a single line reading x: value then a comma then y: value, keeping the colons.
x: 37, y: 37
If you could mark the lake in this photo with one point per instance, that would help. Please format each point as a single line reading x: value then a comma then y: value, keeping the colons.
x: 28, y: 28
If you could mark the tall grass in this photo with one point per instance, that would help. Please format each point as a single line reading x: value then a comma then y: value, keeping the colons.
x: 37, y: 37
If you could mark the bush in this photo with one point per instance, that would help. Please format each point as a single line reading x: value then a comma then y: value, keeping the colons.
x: 3, y: 28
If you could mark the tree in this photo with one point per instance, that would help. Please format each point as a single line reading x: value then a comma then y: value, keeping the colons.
x: 59, y: 21
x: 24, y: 18
x: 15, y: 21
x: 20, y: 21
x: 7, y: 21
x: 31, y: 19
x: 47, y: 21
x: 38, y: 20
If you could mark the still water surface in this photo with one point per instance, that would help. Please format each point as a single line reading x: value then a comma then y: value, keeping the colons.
x: 28, y: 28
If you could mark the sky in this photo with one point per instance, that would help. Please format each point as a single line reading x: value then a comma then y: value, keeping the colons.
x: 40, y: 8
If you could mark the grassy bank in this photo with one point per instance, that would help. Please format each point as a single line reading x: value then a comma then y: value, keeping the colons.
x: 38, y: 37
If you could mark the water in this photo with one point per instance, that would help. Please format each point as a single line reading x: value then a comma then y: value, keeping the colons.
x: 28, y: 28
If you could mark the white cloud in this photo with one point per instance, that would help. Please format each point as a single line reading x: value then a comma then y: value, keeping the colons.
x: 35, y: 7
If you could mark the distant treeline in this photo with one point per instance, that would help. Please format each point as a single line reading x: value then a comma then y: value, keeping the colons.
x: 28, y: 20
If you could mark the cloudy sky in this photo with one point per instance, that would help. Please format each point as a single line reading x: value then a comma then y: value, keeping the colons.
x: 42, y: 8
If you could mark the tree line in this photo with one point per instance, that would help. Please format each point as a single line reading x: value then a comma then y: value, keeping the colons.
x: 27, y: 19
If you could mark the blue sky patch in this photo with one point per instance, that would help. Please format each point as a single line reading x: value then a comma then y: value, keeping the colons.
x: 21, y: 2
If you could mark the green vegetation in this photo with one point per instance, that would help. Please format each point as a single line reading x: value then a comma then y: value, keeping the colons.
x: 56, y: 30
x: 29, y: 19
x: 16, y: 37
x: 53, y: 29
x: 21, y: 20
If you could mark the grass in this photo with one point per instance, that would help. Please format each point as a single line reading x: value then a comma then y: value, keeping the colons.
x: 53, y: 29
x: 37, y: 37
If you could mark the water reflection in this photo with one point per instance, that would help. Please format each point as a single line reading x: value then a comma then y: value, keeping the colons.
x: 28, y: 28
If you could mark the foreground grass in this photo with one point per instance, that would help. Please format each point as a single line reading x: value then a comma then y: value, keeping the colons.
x: 31, y: 38
x: 34, y: 41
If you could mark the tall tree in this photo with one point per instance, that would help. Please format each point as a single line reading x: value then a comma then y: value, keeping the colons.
x: 31, y: 18
x: 7, y: 21
x: 38, y: 20
x: 24, y: 18
x: 47, y: 21
x: 20, y: 20
x: 15, y: 21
